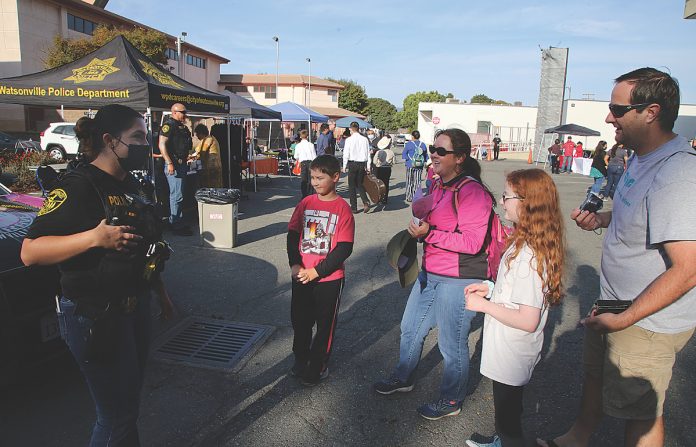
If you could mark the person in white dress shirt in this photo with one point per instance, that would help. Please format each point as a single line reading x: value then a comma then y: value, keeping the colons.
x: 305, y: 153
x: 356, y: 162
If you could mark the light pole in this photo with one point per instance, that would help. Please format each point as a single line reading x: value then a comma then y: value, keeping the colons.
x: 275, y: 38
x: 180, y: 65
x: 309, y: 96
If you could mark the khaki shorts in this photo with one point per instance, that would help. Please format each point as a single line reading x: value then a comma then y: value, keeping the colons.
x: 635, y: 366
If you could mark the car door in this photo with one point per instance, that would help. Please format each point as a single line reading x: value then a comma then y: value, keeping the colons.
x: 6, y: 141
x: 67, y: 138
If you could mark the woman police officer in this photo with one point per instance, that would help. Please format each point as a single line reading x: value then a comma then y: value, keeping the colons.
x: 104, y: 236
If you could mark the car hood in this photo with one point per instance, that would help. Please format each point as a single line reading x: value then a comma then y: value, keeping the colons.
x: 14, y: 225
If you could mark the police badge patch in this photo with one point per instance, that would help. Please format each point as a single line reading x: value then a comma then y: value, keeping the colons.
x: 54, y: 200
x: 165, y: 128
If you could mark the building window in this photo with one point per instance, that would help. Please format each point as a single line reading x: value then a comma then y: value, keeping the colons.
x: 81, y: 25
x: 268, y: 90
x: 195, y: 61
x: 483, y: 127
x: 333, y: 94
x: 171, y: 54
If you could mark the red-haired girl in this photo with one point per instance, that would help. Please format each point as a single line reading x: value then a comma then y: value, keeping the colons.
x: 529, y: 282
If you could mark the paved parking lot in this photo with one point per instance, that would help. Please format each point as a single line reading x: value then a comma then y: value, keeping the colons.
x: 261, y: 406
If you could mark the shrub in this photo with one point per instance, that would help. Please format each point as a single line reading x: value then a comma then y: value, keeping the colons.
x: 18, y: 165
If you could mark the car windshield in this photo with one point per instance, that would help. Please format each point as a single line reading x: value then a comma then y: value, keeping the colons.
x: 4, y: 190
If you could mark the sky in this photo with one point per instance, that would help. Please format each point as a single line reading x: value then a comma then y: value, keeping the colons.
x: 397, y: 47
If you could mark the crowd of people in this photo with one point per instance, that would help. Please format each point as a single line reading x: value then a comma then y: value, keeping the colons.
x: 110, y: 253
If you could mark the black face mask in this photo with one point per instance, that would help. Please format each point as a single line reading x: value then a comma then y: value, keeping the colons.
x: 136, y: 159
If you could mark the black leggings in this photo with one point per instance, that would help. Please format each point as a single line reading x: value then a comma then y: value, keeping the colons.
x: 508, y: 414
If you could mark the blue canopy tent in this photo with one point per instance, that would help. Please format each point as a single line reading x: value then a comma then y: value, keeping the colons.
x: 346, y: 120
x: 295, y: 112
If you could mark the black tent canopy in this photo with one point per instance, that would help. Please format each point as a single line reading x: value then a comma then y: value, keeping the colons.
x: 573, y: 129
x: 115, y: 73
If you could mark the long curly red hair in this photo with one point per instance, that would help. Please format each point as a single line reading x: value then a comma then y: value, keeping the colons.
x: 541, y: 227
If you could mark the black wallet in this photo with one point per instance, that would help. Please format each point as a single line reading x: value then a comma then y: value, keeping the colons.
x: 611, y: 306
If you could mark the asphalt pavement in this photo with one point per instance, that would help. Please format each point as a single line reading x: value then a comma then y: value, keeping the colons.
x: 260, y: 405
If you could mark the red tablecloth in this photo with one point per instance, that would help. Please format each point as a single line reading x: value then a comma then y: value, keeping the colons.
x: 263, y: 166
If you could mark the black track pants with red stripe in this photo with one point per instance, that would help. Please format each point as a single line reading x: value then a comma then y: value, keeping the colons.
x: 313, y: 304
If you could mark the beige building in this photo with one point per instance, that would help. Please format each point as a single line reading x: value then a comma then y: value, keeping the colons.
x: 261, y: 88
x: 28, y: 27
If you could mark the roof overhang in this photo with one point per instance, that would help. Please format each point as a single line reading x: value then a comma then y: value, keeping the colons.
x: 690, y: 9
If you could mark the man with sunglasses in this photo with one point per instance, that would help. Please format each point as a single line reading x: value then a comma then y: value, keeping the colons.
x: 175, y: 144
x: 647, y: 258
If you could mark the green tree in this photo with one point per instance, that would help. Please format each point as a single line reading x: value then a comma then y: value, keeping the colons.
x: 381, y: 113
x: 481, y: 99
x: 151, y: 42
x: 352, y: 97
x: 408, y: 117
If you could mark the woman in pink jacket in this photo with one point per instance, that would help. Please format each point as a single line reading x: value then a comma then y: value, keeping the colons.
x: 453, y: 236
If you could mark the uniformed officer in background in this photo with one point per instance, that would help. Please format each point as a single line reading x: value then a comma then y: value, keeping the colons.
x: 175, y: 143
x: 100, y: 227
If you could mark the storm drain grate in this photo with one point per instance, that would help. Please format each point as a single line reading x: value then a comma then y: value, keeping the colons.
x: 210, y: 343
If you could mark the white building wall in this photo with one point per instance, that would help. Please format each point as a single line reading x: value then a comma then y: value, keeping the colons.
x: 467, y: 116
x: 590, y: 114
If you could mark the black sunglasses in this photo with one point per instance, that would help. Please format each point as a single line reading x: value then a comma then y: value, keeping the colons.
x: 441, y: 151
x: 619, y: 110
x: 183, y: 112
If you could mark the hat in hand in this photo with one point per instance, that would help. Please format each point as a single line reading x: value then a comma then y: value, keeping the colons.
x: 383, y: 143
x: 402, y: 254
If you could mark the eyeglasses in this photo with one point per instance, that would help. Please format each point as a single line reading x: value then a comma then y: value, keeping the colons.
x: 619, y: 110
x: 183, y: 112
x: 506, y: 198
x: 441, y: 151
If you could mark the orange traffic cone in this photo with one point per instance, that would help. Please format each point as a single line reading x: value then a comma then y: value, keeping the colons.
x: 489, y: 153
x: 529, y: 157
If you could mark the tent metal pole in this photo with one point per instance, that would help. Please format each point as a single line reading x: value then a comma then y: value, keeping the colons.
x: 151, y: 163
x: 229, y: 152
x: 253, y: 152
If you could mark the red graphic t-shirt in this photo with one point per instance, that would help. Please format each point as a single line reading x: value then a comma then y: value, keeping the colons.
x: 322, y: 225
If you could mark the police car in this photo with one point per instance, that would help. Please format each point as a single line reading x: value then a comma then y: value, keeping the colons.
x: 29, y: 333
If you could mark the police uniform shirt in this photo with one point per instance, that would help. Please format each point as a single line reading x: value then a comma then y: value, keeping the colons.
x: 74, y: 206
x: 179, y: 142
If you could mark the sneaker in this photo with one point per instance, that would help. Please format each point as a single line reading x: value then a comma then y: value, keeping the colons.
x: 297, y: 369
x: 392, y: 385
x: 496, y: 443
x: 440, y: 409
x: 323, y: 375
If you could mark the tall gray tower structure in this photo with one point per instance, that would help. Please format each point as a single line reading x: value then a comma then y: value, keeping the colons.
x: 554, y: 66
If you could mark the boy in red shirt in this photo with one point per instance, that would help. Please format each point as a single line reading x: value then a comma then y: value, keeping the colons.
x: 320, y: 238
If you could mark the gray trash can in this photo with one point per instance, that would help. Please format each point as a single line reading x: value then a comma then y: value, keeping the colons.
x: 217, y: 221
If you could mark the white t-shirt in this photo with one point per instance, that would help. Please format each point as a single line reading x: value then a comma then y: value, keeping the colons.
x: 509, y: 354
x: 304, y: 151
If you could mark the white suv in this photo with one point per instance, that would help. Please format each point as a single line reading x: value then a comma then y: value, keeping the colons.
x: 59, y: 140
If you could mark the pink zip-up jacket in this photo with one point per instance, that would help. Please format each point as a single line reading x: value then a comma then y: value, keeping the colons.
x: 454, y: 245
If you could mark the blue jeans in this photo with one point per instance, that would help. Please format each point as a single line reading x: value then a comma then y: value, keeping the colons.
x: 567, y: 164
x: 597, y: 185
x: 437, y: 301
x: 614, y: 174
x: 176, y: 193
x: 114, y: 383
